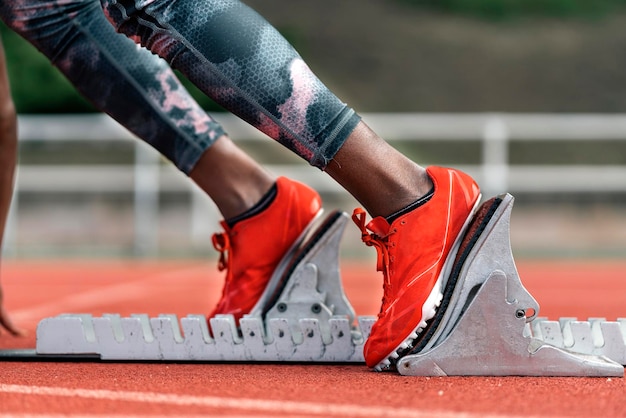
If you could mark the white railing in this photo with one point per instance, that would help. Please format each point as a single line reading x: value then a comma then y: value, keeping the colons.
x: 147, y: 177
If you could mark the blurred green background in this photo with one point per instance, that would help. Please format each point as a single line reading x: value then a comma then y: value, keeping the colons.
x: 421, y: 55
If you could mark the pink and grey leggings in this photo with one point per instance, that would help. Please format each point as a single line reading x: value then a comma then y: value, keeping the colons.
x: 225, y: 48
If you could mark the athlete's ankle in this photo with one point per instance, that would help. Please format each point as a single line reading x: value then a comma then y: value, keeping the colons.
x: 259, y: 207
x: 410, y: 192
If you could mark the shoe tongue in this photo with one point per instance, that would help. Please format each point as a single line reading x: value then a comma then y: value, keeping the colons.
x: 379, y: 226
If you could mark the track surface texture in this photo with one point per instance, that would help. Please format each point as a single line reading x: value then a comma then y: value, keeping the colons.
x: 37, y: 289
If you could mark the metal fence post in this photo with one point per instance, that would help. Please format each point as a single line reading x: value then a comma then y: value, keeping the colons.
x: 146, y: 201
x: 204, y: 218
x: 495, y: 156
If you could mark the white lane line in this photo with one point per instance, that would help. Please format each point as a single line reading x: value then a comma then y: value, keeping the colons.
x: 88, y: 299
x: 247, y: 404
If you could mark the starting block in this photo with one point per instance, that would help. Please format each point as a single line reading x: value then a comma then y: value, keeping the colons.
x: 304, y: 316
x: 487, y: 323
x: 484, y: 324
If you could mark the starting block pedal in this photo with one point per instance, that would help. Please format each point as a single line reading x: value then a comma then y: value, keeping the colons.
x: 483, y: 326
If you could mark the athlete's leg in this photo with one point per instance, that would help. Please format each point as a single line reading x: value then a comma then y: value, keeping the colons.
x: 8, y: 161
x: 238, y: 59
x: 242, y: 62
x: 141, y: 92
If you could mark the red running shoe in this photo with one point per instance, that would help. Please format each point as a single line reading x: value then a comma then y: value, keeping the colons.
x: 252, y: 250
x: 415, y: 253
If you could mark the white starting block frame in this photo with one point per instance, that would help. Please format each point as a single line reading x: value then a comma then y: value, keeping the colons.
x: 487, y: 324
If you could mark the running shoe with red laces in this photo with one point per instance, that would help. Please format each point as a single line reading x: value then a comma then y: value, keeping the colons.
x: 415, y: 253
x: 253, y: 250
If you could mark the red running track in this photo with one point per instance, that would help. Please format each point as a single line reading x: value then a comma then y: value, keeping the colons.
x: 34, y: 290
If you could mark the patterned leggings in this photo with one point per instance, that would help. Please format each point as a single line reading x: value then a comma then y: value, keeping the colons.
x: 226, y: 49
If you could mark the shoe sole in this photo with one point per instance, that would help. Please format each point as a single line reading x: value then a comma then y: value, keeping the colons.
x: 429, y: 308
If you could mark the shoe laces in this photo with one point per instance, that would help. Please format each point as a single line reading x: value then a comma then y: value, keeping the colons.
x: 221, y: 242
x: 380, y: 241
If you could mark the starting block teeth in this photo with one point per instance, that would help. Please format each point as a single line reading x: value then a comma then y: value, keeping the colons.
x: 596, y: 337
x: 483, y: 328
x: 306, y: 318
x: 139, y: 338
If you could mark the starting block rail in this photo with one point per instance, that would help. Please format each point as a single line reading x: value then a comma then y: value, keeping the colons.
x: 487, y: 323
x: 139, y: 337
x: 169, y: 338
x: 596, y: 336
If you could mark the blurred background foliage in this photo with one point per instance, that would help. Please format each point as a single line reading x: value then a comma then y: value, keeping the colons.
x: 419, y: 55
x: 509, y: 9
